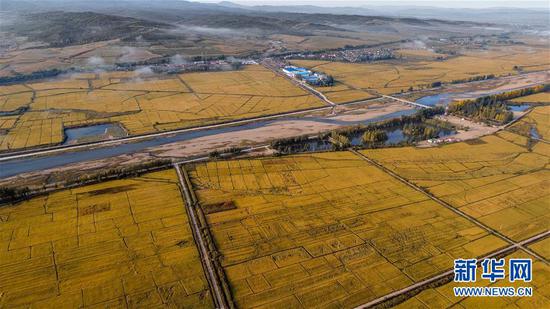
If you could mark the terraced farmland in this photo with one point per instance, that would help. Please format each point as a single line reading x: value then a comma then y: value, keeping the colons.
x: 326, y: 229
x: 443, y: 296
x: 124, y: 243
x: 392, y: 77
x: 142, y: 104
x: 498, y: 179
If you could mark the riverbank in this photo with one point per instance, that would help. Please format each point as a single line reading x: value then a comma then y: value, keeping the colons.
x: 189, y: 144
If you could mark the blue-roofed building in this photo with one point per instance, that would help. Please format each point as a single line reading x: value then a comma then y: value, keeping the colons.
x: 293, y: 71
x: 310, y: 77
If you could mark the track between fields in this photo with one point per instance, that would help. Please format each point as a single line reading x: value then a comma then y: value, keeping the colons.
x: 406, y: 101
x: 450, y: 207
x: 221, y: 300
x: 509, y: 124
x: 300, y: 84
x: 419, y: 286
x: 321, y: 96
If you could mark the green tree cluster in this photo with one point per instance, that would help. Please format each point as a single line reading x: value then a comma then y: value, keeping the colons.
x: 374, y: 136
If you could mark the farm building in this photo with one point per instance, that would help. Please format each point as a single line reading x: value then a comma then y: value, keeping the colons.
x: 310, y: 77
x: 293, y: 71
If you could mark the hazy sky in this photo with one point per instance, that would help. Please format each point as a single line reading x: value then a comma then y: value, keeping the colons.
x: 441, y: 3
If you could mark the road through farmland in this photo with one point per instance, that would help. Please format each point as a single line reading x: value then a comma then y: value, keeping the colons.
x: 209, y: 268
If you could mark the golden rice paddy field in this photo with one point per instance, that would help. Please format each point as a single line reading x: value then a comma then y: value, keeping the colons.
x: 497, y: 179
x: 538, y: 119
x: 422, y: 54
x: 123, y: 243
x: 541, y: 97
x: 392, y: 77
x: 326, y: 230
x: 340, y: 93
x: 542, y: 247
x: 143, y: 104
x: 443, y: 297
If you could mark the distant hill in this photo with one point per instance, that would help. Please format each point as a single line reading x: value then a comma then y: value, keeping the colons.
x: 187, y: 25
x: 173, y: 10
x: 266, y: 24
x: 73, y: 28
x: 306, y: 9
x: 154, y: 19
x: 155, y: 10
x: 499, y: 15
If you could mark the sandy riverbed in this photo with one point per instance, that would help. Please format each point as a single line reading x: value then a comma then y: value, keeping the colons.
x: 502, y: 84
x: 276, y: 130
x: 203, y: 145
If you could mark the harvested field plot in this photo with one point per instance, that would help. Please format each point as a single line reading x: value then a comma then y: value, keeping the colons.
x: 541, y: 97
x: 495, y: 179
x: 326, y: 230
x: 143, y: 104
x: 535, y: 124
x: 443, y: 297
x: 124, y: 243
x: 392, y: 77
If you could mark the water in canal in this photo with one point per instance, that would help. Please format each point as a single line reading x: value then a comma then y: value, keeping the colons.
x: 40, y: 163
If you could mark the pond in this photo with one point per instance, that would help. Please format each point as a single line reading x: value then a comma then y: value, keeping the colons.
x: 436, y: 99
x: 518, y: 108
x: 395, y: 137
x: 534, y: 133
x: 93, y: 133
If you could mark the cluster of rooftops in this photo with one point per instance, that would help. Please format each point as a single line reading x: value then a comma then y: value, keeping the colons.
x: 304, y: 74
